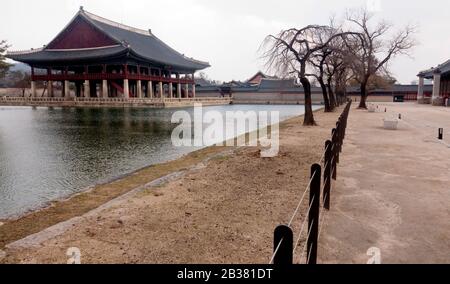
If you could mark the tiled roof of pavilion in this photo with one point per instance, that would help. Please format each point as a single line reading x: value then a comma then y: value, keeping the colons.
x: 140, y: 43
x: 38, y: 55
x: 443, y: 68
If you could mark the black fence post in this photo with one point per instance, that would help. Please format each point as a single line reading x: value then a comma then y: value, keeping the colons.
x: 327, y: 175
x: 347, y: 112
x: 313, y: 218
x: 283, y: 241
x: 345, y: 126
x: 441, y: 134
x: 334, y: 153
x: 341, y: 134
x: 338, y: 141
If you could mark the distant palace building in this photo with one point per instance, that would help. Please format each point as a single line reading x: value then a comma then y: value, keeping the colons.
x: 264, y: 89
x: 258, y: 77
x: 105, y: 59
x: 441, y: 84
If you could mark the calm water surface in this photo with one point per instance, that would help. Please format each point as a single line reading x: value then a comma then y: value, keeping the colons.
x: 51, y: 153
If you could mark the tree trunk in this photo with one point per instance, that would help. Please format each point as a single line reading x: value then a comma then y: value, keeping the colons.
x: 362, y: 103
x: 325, y: 96
x: 331, y: 96
x: 337, y: 94
x: 309, y: 115
x: 340, y: 94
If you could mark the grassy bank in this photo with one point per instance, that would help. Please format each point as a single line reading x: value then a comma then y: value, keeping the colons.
x: 84, y: 202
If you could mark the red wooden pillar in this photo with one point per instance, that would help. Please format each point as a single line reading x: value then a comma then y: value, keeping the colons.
x: 126, y: 86
x: 104, y: 83
x: 138, y: 92
x: 65, y: 72
x: 86, y: 87
x: 33, y: 83
x: 49, y: 83
x: 160, y: 84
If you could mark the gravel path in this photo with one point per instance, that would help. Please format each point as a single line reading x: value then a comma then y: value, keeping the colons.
x: 393, y: 191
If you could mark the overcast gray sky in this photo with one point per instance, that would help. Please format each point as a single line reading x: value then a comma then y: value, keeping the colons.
x: 228, y: 33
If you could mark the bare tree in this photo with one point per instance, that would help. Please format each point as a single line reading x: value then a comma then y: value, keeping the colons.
x: 333, y: 66
x: 318, y: 61
x: 289, y: 53
x: 207, y: 79
x: 328, y: 61
x: 338, y: 71
x: 20, y: 80
x: 371, y: 51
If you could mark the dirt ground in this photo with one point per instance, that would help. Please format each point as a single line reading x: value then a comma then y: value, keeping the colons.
x: 224, y: 210
x: 394, y: 189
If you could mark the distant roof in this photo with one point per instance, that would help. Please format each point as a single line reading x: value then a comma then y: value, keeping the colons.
x: 278, y: 84
x: 290, y: 86
x: 202, y: 82
x: 397, y: 88
x: 211, y: 88
x: 238, y: 84
x: 261, y: 75
x: 443, y: 68
x: 273, y: 86
x: 142, y: 44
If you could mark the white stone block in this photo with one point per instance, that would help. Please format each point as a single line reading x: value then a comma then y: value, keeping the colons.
x: 390, y: 124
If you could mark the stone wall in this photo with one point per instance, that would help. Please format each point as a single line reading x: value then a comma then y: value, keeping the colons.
x: 110, y: 102
x: 374, y: 99
x: 211, y: 94
x: 14, y: 92
x: 274, y: 98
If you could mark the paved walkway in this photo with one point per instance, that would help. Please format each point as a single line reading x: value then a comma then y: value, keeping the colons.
x: 393, y: 189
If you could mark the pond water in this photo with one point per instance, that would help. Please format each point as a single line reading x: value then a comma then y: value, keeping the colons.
x: 51, y: 153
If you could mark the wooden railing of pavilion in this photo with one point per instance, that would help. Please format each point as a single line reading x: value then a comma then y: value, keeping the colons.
x: 110, y: 76
x: 134, y: 101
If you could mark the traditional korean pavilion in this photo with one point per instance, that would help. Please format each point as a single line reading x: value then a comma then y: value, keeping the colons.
x: 103, y: 59
x: 441, y: 84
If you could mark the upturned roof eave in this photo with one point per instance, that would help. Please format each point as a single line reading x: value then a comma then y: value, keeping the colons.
x: 42, y: 57
x: 138, y: 56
